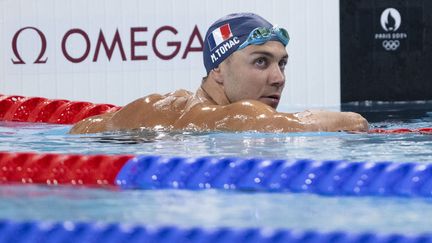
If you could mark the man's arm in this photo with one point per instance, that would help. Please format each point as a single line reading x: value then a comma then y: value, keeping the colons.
x: 330, y: 121
x: 253, y: 115
x: 92, y: 124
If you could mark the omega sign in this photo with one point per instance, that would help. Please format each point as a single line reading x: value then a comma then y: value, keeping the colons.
x: 105, y: 46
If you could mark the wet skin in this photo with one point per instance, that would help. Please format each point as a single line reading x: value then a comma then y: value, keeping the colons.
x: 240, y: 95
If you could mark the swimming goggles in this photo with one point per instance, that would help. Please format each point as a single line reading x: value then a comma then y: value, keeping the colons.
x: 261, y: 35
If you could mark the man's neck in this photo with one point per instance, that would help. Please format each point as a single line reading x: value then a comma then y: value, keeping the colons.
x: 215, y: 92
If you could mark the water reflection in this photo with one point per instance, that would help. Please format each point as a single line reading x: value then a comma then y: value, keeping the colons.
x: 126, y: 137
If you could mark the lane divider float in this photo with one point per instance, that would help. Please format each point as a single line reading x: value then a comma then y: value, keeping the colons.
x: 40, y: 231
x: 55, y: 111
x: 330, y: 178
x: 60, y: 169
x: 424, y: 130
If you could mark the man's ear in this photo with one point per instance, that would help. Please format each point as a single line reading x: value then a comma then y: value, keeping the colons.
x: 217, y: 75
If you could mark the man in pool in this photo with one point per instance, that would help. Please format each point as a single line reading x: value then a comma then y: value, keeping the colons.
x: 245, y: 59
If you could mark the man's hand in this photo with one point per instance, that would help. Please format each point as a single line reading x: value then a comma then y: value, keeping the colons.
x: 330, y: 121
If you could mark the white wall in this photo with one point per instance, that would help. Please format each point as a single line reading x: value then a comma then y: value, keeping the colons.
x: 313, y: 73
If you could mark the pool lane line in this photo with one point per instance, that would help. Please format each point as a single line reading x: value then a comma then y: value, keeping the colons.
x: 424, y: 130
x: 55, y: 111
x: 329, y: 178
x: 60, y: 169
x: 89, y: 232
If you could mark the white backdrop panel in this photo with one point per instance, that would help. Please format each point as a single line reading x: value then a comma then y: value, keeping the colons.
x: 313, y: 73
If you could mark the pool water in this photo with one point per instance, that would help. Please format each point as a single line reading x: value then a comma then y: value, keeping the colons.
x: 310, y: 145
x: 212, y: 208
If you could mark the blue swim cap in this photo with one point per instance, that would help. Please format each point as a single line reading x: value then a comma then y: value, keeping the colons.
x: 227, y: 34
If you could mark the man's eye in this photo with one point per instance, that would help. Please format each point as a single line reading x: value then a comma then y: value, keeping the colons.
x: 261, y: 62
x: 282, y: 64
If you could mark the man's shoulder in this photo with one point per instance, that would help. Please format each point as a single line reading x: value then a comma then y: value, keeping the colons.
x: 180, y: 93
x: 156, y: 97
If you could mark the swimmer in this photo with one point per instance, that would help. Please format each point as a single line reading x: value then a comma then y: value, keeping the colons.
x: 245, y: 59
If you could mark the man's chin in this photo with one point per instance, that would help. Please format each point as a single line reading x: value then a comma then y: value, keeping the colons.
x: 272, y: 102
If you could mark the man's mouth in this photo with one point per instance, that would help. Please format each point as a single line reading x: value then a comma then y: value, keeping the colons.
x: 274, y: 97
x: 272, y: 100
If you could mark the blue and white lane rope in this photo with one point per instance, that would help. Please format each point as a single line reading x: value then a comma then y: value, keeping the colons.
x: 83, y: 232
x: 332, y: 178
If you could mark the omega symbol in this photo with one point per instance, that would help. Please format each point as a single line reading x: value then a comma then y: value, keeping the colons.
x: 18, y: 59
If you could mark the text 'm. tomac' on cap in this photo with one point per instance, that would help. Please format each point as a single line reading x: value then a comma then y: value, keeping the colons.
x: 226, y: 34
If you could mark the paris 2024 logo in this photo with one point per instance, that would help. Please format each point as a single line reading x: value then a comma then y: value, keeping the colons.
x: 391, y: 21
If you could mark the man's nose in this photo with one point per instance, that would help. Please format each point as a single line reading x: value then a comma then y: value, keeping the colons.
x: 277, y: 76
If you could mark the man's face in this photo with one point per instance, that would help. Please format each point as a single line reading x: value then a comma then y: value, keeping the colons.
x: 256, y: 72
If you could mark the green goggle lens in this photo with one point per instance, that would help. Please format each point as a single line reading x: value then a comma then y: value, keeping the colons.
x: 261, y: 35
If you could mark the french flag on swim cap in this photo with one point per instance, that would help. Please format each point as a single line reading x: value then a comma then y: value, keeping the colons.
x: 219, y: 35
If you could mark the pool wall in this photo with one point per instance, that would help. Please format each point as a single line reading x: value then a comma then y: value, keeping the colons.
x: 56, y: 49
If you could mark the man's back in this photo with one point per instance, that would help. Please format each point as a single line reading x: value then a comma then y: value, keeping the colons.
x: 153, y: 111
